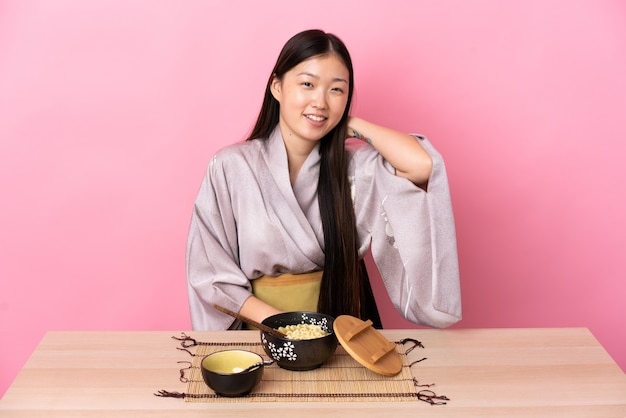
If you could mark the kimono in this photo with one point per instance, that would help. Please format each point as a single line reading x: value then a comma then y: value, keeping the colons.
x: 248, y: 221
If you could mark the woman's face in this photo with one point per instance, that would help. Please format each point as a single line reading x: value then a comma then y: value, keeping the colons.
x: 312, y: 96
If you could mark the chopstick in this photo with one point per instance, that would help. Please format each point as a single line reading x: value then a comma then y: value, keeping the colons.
x: 252, y: 322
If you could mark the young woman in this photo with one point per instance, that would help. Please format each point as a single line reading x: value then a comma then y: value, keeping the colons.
x: 283, y: 219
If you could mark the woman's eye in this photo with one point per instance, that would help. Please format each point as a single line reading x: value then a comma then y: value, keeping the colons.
x: 307, y: 84
x: 337, y: 90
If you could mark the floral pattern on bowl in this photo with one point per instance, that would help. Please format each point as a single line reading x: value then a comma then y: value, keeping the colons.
x: 279, y: 353
x: 299, y: 354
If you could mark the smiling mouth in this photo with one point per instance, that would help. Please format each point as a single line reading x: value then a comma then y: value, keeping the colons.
x: 316, y: 118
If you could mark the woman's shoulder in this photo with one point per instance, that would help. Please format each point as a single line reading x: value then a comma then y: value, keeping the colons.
x: 243, y: 147
x: 238, y: 151
x: 232, y: 160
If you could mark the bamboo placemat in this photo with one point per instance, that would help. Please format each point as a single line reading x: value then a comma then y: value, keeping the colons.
x: 341, y: 378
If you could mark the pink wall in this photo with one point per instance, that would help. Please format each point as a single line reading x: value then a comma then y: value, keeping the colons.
x: 109, y: 111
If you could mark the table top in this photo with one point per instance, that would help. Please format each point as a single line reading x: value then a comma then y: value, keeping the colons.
x: 485, y: 373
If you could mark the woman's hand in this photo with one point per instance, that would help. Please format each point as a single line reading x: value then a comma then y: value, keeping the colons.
x: 401, y: 150
x: 256, y: 309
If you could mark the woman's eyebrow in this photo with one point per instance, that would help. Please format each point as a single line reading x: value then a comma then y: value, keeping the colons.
x: 338, y: 79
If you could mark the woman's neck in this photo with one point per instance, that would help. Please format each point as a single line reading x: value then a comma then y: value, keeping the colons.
x: 298, y: 151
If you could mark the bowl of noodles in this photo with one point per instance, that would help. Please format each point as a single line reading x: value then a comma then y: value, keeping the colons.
x: 309, y: 342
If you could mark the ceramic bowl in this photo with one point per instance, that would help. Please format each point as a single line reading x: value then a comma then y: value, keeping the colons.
x: 299, y: 354
x: 221, y: 371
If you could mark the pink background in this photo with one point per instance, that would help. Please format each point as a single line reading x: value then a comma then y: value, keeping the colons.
x: 110, y: 110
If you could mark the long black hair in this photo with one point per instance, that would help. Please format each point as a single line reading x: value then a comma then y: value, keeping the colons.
x: 344, y: 287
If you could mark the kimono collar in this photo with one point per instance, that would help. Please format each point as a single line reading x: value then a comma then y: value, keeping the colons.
x: 302, y: 197
x: 276, y: 154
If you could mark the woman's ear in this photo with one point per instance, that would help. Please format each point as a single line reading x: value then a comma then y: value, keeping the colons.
x: 276, y: 88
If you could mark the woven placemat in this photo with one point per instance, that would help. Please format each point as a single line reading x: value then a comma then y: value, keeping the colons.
x: 341, y: 378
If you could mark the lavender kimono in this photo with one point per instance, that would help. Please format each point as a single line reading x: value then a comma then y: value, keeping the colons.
x: 248, y: 221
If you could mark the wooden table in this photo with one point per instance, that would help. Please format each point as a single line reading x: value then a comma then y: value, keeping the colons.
x: 561, y: 372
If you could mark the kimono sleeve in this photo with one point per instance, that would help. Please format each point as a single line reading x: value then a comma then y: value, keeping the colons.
x: 213, y: 273
x: 413, y: 239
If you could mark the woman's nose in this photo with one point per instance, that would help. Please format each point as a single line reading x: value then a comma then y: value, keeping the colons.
x: 319, y: 100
